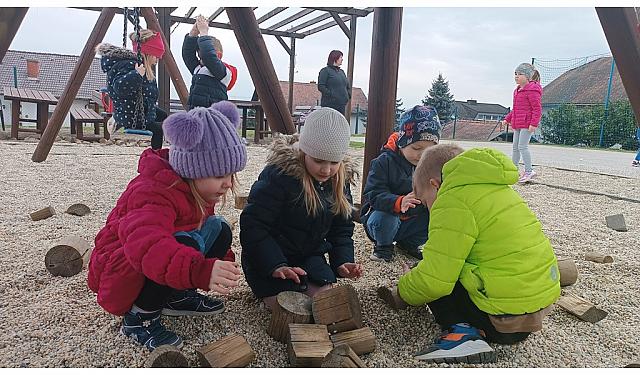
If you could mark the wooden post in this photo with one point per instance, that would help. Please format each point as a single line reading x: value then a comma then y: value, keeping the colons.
x: 383, y: 82
x: 169, y: 61
x: 581, y: 308
x: 568, y: 271
x: 258, y: 60
x: 230, y: 351
x: 291, y: 307
x: 164, y: 78
x: 342, y: 356
x: 361, y: 340
x: 10, y: 21
x: 338, y: 308
x: 167, y: 356
x: 42, y: 214
x: 68, y: 256
x: 308, y: 344
x: 78, y: 209
x: 292, y: 69
x: 351, y: 63
x: 73, y: 85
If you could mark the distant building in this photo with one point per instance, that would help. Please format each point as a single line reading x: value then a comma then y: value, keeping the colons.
x: 472, y: 110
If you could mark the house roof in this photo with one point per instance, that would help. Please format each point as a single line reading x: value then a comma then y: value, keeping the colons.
x: 307, y: 94
x: 55, y: 70
x: 586, y: 84
x: 469, y: 130
x: 470, y: 108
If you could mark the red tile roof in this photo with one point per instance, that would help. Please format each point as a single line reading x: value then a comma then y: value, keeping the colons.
x: 469, y: 130
x: 307, y: 94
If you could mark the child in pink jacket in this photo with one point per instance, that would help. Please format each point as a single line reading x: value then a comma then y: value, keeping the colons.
x: 525, y: 116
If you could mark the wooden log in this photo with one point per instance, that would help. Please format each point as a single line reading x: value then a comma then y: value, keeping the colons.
x: 616, y: 222
x: 390, y: 296
x: 291, y: 307
x: 166, y: 356
x: 361, y: 341
x: 581, y: 308
x: 307, y: 344
x: 230, y: 351
x: 568, y: 271
x: 338, y: 308
x: 598, y: 258
x: 78, y: 209
x: 42, y: 214
x: 68, y: 256
x: 300, y: 332
x: 241, y: 201
x: 342, y: 356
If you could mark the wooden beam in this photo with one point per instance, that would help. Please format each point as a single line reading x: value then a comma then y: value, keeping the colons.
x: 215, y: 14
x: 352, y: 55
x: 10, y: 20
x: 73, y: 85
x: 169, y: 61
x: 283, y: 44
x: 341, y: 23
x: 620, y: 26
x: 312, y: 21
x: 270, y: 14
x: 383, y: 82
x: 260, y: 66
x: 164, y: 78
x: 290, y: 19
x: 326, y: 26
x: 350, y: 11
x: 220, y: 25
x: 292, y: 69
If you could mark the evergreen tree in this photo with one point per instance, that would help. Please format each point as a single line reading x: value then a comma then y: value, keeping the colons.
x: 440, y: 98
x: 399, y: 111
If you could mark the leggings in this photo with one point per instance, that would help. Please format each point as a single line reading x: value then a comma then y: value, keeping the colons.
x: 521, y: 138
x: 156, y: 129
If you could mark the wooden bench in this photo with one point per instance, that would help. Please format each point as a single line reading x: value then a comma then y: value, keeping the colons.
x: 80, y: 116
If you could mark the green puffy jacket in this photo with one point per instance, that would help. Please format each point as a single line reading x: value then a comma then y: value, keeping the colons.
x: 482, y: 233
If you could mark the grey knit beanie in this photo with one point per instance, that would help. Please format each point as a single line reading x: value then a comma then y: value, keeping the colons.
x: 526, y: 69
x: 325, y: 135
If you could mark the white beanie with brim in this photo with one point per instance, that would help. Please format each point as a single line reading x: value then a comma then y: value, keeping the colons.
x: 325, y: 135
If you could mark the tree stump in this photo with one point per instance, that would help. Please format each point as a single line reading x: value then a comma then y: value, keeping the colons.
x: 581, y: 308
x: 166, y: 356
x: 230, y: 351
x: 291, y: 307
x: 308, y: 344
x: 42, y: 214
x: 342, y: 356
x: 616, y: 222
x: 78, y: 209
x: 68, y: 256
x: 241, y: 201
x: 338, y: 308
x: 598, y: 258
x: 361, y: 341
x: 390, y: 296
x: 568, y: 271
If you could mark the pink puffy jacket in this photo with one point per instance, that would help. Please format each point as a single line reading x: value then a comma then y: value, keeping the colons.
x: 527, y: 106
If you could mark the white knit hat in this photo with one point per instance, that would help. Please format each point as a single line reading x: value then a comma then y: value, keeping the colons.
x: 325, y: 135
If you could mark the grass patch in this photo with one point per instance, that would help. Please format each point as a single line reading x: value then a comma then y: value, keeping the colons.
x: 355, y: 144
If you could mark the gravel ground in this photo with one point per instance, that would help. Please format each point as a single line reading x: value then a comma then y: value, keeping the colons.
x: 50, y: 321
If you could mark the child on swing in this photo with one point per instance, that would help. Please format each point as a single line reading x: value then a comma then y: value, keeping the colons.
x: 126, y: 77
x: 162, y: 241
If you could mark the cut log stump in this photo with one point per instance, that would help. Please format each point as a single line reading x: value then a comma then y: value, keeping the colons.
x: 78, y: 209
x: 230, y: 351
x: 68, y: 256
x: 308, y: 344
x: 42, y: 214
x: 598, y: 258
x: 241, y: 201
x: 568, y: 271
x: 291, y: 307
x: 338, y: 308
x: 166, y: 356
x: 361, y: 341
x: 390, y: 296
x: 616, y: 222
x: 581, y: 308
x: 342, y: 356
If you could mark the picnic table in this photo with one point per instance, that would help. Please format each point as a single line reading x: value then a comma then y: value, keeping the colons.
x: 42, y: 99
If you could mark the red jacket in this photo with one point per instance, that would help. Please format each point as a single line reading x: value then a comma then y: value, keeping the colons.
x: 137, y: 240
x: 527, y: 106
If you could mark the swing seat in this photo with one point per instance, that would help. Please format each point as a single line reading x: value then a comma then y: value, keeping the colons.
x: 138, y: 131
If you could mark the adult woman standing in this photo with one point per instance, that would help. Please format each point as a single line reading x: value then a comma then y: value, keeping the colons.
x: 333, y: 83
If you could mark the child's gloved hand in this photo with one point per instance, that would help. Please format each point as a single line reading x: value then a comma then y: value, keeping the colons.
x: 141, y: 69
x: 350, y: 270
x: 409, y: 201
x: 291, y: 273
x: 224, y: 275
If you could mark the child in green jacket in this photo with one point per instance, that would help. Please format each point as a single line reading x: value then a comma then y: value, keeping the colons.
x: 488, y: 274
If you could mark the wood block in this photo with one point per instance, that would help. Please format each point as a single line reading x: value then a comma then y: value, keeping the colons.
x: 338, y: 308
x: 598, y: 258
x: 308, y: 354
x: 68, y: 256
x: 291, y: 307
x: 166, y: 356
x: 230, y: 351
x: 241, y: 201
x: 391, y: 297
x: 42, y: 214
x: 355, y: 212
x: 568, y: 271
x: 78, y: 209
x: 616, y: 222
x: 307, y: 332
x: 361, y: 341
x: 581, y: 308
x: 342, y: 356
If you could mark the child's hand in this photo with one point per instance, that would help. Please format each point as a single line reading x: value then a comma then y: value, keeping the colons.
x: 350, y: 270
x: 291, y: 273
x: 194, y: 30
x: 223, y: 275
x: 409, y: 201
x: 203, y: 25
x: 532, y: 128
x: 141, y: 69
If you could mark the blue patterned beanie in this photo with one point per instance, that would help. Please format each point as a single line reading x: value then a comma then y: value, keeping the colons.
x: 421, y: 123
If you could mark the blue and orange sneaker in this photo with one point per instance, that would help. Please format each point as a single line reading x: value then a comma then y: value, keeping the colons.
x: 461, y: 343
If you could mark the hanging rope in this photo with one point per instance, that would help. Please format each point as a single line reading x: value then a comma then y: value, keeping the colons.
x: 125, y: 14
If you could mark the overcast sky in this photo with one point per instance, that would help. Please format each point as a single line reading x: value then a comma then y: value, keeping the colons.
x: 476, y: 49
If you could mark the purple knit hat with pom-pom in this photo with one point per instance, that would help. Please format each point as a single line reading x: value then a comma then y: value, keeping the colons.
x: 204, y: 141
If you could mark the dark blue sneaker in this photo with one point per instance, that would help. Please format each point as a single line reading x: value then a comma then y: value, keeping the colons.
x: 189, y: 302
x: 147, y: 330
x: 414, y: 251
x: 461, y: 343
x: 382, y: 253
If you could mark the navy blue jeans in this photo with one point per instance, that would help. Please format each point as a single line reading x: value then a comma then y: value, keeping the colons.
x: 385, y: 228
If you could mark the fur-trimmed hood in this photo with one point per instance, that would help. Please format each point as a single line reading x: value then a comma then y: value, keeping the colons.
x: 115, y: 52
x: 284, y: 154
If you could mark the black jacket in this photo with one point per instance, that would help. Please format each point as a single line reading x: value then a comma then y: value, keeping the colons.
x: 123, y: 83
x: 206, y: 84
x: 334, y: 86
x: 275, y: 229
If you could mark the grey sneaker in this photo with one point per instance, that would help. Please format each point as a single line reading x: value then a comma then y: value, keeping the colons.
x: 382, y: 253
x: 147, y: 329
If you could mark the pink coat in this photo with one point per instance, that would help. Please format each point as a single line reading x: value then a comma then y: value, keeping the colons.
x: 137, y: 240
x: 527, y: 106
